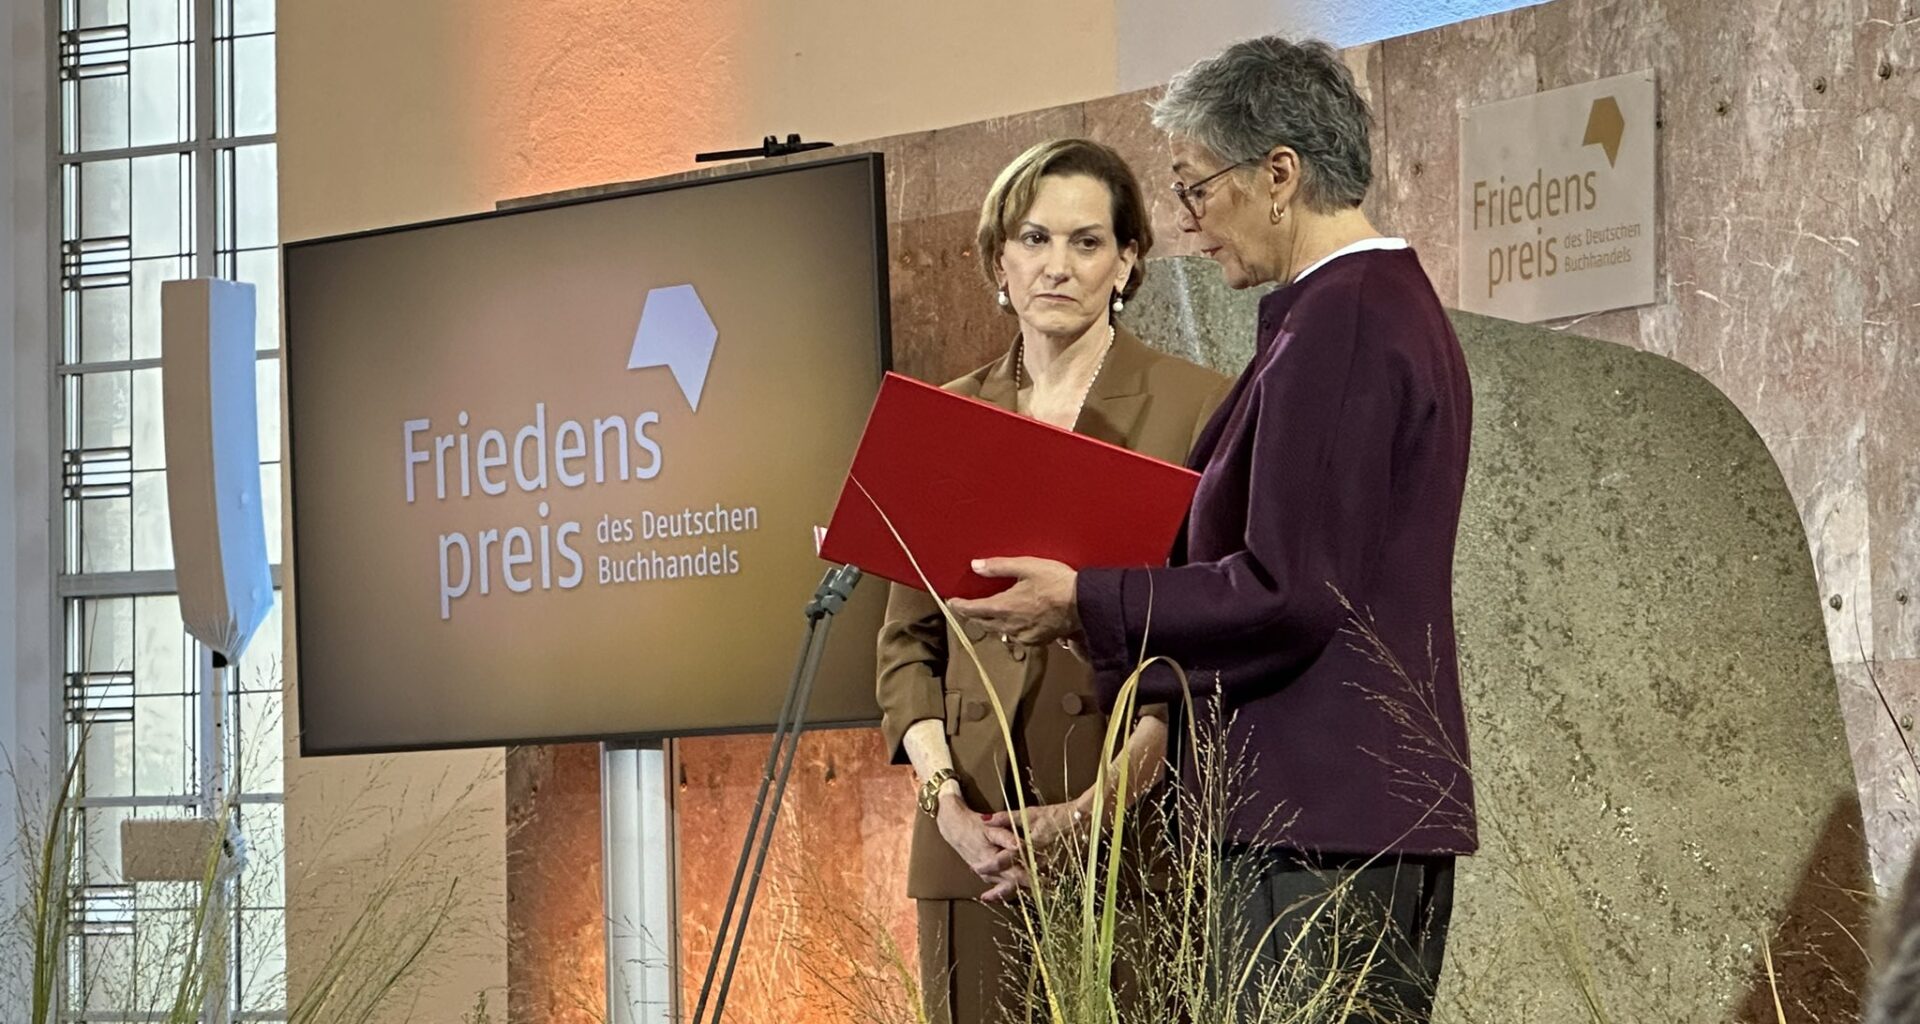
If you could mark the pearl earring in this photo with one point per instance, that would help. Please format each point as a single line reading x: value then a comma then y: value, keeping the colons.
x: 1006, y: 301
x: 1118, y: 303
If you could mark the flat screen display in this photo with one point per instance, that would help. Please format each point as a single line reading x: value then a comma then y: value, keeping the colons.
x: 555, y: 471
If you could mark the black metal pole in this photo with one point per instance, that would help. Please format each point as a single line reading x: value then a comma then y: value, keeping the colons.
x: 753, y: 823
x: 773, y: 813
x: 829, y: 597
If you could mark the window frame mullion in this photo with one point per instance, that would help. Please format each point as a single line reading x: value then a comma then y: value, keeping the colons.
x: 194, y: 146
x: 206, y: 180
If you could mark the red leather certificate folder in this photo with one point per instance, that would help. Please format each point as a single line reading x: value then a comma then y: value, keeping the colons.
x: 961, y: 479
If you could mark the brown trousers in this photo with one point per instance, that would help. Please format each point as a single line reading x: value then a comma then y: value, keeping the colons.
x: 968, y: 972
x: 974, y: 968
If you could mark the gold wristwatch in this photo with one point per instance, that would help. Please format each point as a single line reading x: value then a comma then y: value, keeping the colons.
x: 930, y: 792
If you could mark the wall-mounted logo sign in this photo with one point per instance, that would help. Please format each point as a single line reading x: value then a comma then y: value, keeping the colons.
x: 1557, y: 201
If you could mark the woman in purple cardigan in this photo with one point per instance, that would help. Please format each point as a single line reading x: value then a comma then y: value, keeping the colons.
x: 1331, y: 475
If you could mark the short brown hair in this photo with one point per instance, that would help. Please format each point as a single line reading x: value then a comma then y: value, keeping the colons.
x: 1014, y: 190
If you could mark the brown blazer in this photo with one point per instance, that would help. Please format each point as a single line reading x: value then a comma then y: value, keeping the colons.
x: 1143, y: 400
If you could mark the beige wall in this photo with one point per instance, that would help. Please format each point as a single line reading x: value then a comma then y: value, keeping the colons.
x: 397, y: 112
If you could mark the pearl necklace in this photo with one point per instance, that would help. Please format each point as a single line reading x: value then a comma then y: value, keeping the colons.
x: 1020, y: 364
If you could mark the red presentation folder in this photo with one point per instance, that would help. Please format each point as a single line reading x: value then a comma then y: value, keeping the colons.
x: 961, y: 479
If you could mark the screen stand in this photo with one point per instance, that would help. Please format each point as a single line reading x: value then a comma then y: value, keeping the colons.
x: 828, y: 598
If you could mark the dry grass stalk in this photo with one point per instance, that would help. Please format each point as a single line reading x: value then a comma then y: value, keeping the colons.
x: 174, y: 964
x: 388, y: 924
x: 43, y: 857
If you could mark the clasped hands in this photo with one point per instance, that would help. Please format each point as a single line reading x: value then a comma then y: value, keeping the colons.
x: 992, y: 844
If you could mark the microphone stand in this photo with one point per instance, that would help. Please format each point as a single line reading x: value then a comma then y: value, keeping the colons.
x: 832, y: 594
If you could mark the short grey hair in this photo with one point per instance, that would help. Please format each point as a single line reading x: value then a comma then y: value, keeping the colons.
x: 1268, y: 92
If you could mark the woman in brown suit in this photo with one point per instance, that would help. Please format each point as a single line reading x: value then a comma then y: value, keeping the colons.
x: 1062, y: 235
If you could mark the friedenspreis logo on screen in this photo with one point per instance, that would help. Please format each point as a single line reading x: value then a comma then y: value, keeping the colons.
x: 558, y: 449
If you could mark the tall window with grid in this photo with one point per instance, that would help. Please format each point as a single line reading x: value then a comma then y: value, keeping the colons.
x: 166, y: 169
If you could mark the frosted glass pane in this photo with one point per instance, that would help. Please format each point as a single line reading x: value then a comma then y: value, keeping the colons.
x: 107, y: 960
x: 252, y: 16
x: 106, y: 410
x: 159, y: 96
x: 159, y: 21
x: 252, y: 70
x: 270, y: 508
x: 109, y: 760
x: 266, y: 380
x: 109, y: 973
x: 165, y: 937
x: 160, y: 647
x: 106, y: 324
x: 147, y: 277
x: 260, y: 666
x: 159, y: 205
x: 96, y: 13
x: 106, y: 188
x: 101, y: 110
x: 106, y: 535
x: 255, y: 198
x: 102, y: 839
x: 149, y: 421
x: 263, y: 960
x: 259, y: 722
x: 106, y: 635
x: 259, y: 717
x: 163, y: 754
x: 264, y: 882
x: 152, y: 538
x: 261, y: 742
x: 261, y: 268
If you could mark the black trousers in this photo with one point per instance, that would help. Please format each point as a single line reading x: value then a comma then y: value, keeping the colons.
x: 1379, y: 928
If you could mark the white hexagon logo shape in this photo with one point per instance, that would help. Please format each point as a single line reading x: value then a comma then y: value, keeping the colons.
x: 676, y: 332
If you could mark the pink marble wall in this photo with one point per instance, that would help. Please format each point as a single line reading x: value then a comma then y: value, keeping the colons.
x: 556, y: 925
x: 830, y: 925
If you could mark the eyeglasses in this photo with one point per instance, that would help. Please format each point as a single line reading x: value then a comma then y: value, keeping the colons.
x: 1189, y: 194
